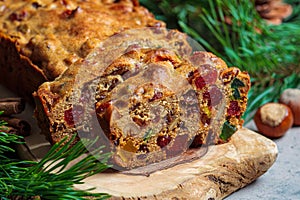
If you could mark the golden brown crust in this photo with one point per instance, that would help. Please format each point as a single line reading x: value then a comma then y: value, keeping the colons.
x: 17, y: 72
x: 49, y: 36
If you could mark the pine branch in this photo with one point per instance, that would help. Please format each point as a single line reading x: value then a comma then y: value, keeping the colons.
x: 50, y: 178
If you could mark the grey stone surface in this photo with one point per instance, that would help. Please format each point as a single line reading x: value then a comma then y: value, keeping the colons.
x: 282, y: 180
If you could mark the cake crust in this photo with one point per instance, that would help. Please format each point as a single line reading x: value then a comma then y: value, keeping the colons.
x: 41, y: 39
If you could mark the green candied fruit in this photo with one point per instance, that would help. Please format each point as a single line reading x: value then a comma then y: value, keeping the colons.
x: 227, y: 131
x: 236, y: 83
x: 148, y: 134
x: 236, y: 94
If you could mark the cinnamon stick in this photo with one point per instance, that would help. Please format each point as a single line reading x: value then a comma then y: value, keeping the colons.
x: 11, y: 106
x: 21, y: 126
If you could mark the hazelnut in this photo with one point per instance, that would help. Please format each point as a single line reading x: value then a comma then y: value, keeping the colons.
x: 273, y: 119
x: 291, y: 98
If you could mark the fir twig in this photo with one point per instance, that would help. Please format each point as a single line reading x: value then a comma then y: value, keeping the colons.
x: 52, y: 177
x: 6, y: 139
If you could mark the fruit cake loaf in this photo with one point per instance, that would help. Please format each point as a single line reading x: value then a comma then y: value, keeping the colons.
x: 147, y: 104
x: 39, y: 39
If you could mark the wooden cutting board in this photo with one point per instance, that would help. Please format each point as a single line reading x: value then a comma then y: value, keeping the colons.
x: 221, y: 171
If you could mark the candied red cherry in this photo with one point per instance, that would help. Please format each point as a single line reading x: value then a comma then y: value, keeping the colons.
x: 213, y: 96
x: 163, y: 140
x: 200, y: 82
x: 209, y: 73
x: 234, y: 109
x: 68, y: 116
x: 73, y: 114
x: 207, y: 77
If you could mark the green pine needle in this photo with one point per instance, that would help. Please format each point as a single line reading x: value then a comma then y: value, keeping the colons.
x: 50, y: 178
x: 6, y: 139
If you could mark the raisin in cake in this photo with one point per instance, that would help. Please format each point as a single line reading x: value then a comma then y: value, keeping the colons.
x: 148, y: 104
x: 40, y: 39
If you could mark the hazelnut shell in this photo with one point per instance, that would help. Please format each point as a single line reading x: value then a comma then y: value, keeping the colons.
x: 283, y: 125
x: 291, y: 97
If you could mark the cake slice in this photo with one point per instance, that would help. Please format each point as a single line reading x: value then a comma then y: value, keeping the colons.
x: 146, y: 103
